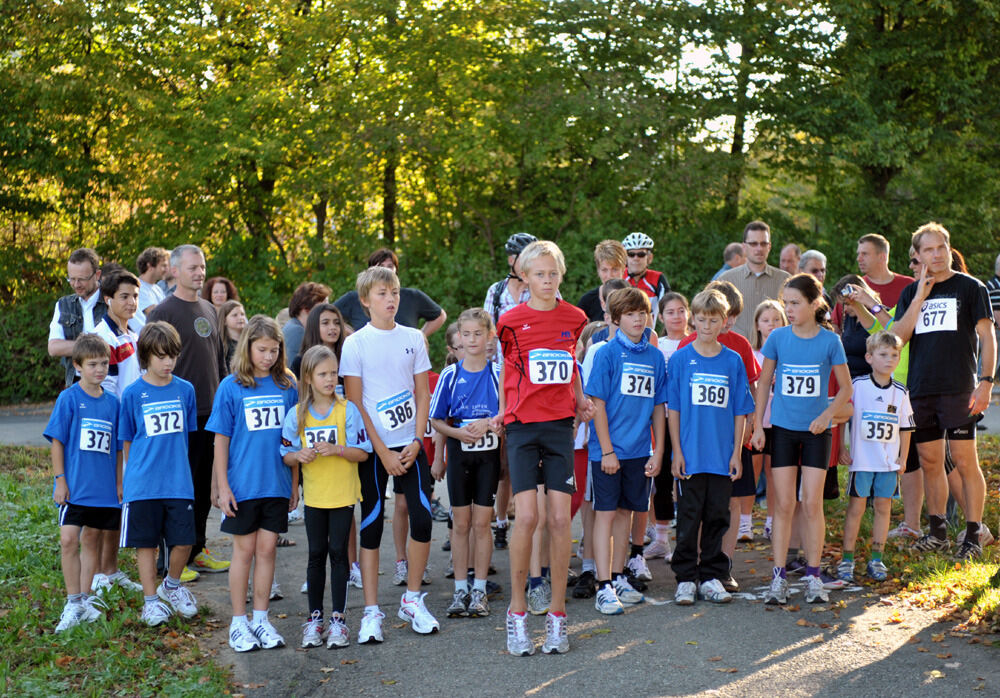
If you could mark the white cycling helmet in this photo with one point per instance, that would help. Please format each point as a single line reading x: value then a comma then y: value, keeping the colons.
x: 637, y: 241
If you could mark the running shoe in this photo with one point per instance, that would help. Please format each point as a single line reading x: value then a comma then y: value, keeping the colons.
x: 539, y: 599
x: 586, y: 585
x: 276, y: 594
x: 877, y: 570
x: 400, y: 575
x: 930, y: 544
x: 155, y: 613
x: 241, y: 638
x: 305, y: 587
x: 337, y: 634
x: 180, y: 599
x: 459, y: 607
x: 745, y: 533
x: 712, y: 590
x: 205, y: 561
x: 640, y: 570
x: 684, y: 596
x: 266, y: 635
x: 637, y: 584
x: 355, y: 579
x: 606, y: 602
x: 295, y: 516
x: 845, y: 571
x: 768, y: 528
x: 92, y: 609
x: 449, y: 571
x: 426, y: 578
x: 658, y: 548
x: 446, y: 546
x: 371, y: 627
x: 70, y: 616
x: 189, y: 575
x: 101, y: 583
x: 969, y: 551
x: 830, y: 582
x: 797, y: 565
x: 650, y: 535
x: 985, y: 536
x: 904, y: 531
x: 312, y: 631
x: 815, y: 593
x: 479, y: 606
x: 416, y: 614
x: 438, y: 512
x: 778, y: 592
x: 518, y: 642
x: 120, y: 579
x: 625, y: 592
x: 500, y: 543
x: 556, y: 641
x: 729, y: 583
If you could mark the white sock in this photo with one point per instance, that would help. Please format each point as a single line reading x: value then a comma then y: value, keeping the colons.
x: 745, y: 519
x: 462, y: 586
x: 411, y: 596
x: 663, y: 532
x: 371, y: 609
x: 589, y: 564
x: 238, y: 620
x: 767, y: 522
x: 259, y: 616
x: 501, y: 523
x: 479, y: 584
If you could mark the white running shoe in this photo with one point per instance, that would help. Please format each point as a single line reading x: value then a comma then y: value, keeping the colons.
x: 101, y: 583
x: 295, y: 516
x: 312, y: 631
x: 650, y: 535
x: 70, y: 616
x: 337, y: 635
x: 777, y: 593
x: 606, y: 601
x: 625, y: 592
x: 120, y: 579
x: 155, y: 613
x: 180, y: 599
x: 241, y: 638
x: 371, y: 627
x: 712, y: 590
x: 400, y: 575
x: 815, y: 593
x: 658, y: 548
x: 556, y: 641
x: 355, y: 579
x: 684, y: 596
x: 745, y: 534
x: 985, y: 536
x: 639, y: 568
x: 276, y: 594
x: 92, y: 609
x: 904, y: 531
x: 518, y: 642
x: 266, y: 635
x: 416, y: 614
x: 305, y: 587
x: 539, y: 599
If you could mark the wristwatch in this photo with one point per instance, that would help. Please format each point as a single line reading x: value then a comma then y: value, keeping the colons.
x: 877, y: 308
x: 988, y: 379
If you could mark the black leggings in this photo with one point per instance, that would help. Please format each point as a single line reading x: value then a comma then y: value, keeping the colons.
x: 328, y: 531
x: 416, y: 485
x: 663, y: 497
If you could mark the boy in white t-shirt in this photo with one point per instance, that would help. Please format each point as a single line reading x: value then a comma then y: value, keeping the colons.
x: 880, y: 439
x: 384, y: 366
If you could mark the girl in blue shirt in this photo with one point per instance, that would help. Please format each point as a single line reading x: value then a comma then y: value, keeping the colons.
x: 799, y: 357
x: 256, y: 490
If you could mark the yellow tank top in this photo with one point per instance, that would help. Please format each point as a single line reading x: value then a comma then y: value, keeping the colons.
x: 329, y: 482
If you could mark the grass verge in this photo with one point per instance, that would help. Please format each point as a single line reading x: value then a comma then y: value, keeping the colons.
x: 965, y: 593
x: 117, y: 655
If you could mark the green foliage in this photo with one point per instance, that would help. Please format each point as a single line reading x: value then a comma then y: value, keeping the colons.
x: 29, y: 373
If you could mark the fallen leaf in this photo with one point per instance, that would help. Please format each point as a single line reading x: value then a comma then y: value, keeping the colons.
x: 388, y: 682
x: 63, y: 661
x: 914, y: 640
x: 399, y: 625
x: 282, y: 615
x: 818, y: 639
x: 943, y: 655
x: 690, y: 642
x: 602, y: 631
x: 936, y: 674
x: 980, y: 687
x: 348, y: 661
x: 327, y: 669
x: 715, y: 659
x: 727, y: 670
x: 937, y: 638
x: 584, y: 636
x: 922, y: 649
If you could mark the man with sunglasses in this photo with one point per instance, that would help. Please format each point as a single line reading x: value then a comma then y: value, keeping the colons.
x: 79, y: 311
x: 639, y: 248
x: 756, y: 280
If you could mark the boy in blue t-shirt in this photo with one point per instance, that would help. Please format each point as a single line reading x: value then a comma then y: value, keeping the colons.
x: 157, y: 412
x: 86, y: 455
x: 628, y: 387
x: 709, y: 398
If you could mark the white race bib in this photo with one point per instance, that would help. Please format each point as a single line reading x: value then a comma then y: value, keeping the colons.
x: 429, y: 431
x: 637, y: 380
x: 95, y: 435
x: 550, y: 366
x: 315, y: 435
x: 710, y: 390
x: 937, y: 315
x: 488, y: 442
x: 264, y: 412
x: 163, y: 417
x: 800, y: 380
x: 397, y: 411
x: 879, y: 426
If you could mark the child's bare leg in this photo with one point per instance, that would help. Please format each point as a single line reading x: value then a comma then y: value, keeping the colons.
x: 239, y: 573
x: 265, y: 551
x: 69, y: 549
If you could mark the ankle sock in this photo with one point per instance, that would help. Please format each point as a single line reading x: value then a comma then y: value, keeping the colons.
x: 811, y: 571
x: 462, y: 585
x: 972, y: 532
x: 780, y: 572
x: 635, y: 550
x: 170, y: 583
x: 848, y: 556
x: 546, y: 573
x: 238, y: 620
x: 745, y: 520
x: 938, y: 526
x: 534, y: 582
x: 259, y: 616
x: 876, y: 555
x: 589, y: 565
x: 371, y: 609
x: 411, y: 596
x: 479, y: 585
x: 151, y: 599
x: 75, y: 598
x: 663, y: 533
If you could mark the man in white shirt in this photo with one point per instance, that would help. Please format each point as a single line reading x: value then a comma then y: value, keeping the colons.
x: 79, y: 311
x: 153, y: 265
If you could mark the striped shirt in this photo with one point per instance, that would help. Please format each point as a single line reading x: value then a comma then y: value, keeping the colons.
x: 754, y: 288
x: 993, y: 286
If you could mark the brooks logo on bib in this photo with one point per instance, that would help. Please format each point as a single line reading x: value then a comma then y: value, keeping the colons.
x: 95, y: 435
x: 878, y: 426
x: 938, y: 315
x: 637, y: 380
x: 550, y: 366
x: 315, y: 435
x: 709, y: 390
x: 264, y: 412
x: 163, y: 417
x: 397, y: 411
x: 800, y: 381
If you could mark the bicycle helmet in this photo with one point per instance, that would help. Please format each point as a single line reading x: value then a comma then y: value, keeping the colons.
x: 637, y: 241
x: 518, y: 241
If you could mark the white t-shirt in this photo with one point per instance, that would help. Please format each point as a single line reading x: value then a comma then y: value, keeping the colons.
x: 56, y: 328
x: 879, y: 415
x: 667, y: 347
x: 149, y: 294
x: 386, y: 361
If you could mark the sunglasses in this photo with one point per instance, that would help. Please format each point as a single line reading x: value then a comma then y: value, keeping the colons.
x: 640, y: 254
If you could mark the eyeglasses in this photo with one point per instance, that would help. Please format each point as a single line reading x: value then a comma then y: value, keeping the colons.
x: 74, y: 281
x: 638, y: 253
x: 914, y: 261
x: 765, y: 243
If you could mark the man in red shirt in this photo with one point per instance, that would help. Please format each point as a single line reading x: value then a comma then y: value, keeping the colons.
x: 873, y: 262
